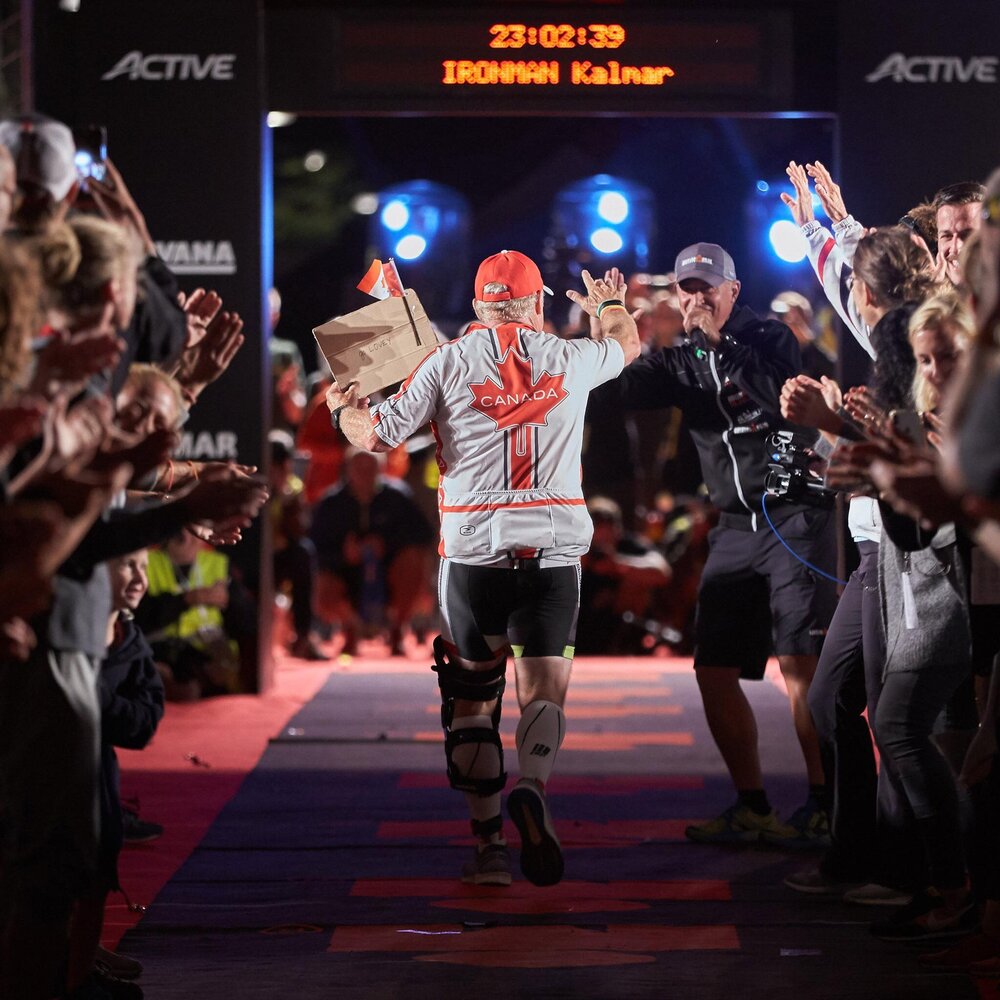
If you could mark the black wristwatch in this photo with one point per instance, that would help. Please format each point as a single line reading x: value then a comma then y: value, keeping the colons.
x: 335, y: 416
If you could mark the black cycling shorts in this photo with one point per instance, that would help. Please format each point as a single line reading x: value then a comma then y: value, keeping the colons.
x: 536, y: 609
x: 756, y: 598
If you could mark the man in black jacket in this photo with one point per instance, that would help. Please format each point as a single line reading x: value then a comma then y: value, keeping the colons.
x: 755, y: 597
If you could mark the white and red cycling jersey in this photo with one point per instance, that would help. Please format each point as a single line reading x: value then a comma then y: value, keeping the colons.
x: 506, y: 406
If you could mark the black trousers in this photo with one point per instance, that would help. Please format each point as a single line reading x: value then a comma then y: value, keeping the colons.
x: 296, y: 564
x: 849, y: 665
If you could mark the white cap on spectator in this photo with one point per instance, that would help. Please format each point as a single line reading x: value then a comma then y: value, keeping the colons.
x: 44, y: 152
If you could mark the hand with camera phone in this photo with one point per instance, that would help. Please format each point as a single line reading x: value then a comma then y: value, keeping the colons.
x: 114, y: 201
x: 908, y: 425
x: 91, y: 153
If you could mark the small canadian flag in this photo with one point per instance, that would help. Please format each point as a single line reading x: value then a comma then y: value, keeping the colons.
x: 382, y: 280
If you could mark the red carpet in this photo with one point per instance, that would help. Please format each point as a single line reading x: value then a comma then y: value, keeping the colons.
x: 332, y: 867
x: 194, y: 766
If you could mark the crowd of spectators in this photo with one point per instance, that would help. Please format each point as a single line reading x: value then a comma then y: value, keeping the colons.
x: 102, y: 356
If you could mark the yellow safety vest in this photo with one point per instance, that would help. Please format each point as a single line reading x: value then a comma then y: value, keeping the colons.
x: 209, y: 568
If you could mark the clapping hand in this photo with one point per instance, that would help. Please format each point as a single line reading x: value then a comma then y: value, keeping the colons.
x: 201, y: 364
x: 69, y: 359
x: 200, y: 308
x: 812, y: 404
x: 871, y: 419
x: 828, y: 191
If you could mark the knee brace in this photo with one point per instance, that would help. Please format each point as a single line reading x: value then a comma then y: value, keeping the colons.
x: 456, y: 682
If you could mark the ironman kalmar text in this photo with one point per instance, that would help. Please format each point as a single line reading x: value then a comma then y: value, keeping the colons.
x: 582, y: 72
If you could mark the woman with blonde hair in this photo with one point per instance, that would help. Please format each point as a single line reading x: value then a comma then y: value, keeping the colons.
x: 89, y: 273
x: 941, y: 330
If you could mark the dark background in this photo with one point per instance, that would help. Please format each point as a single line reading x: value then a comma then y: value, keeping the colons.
x: 701, y: 171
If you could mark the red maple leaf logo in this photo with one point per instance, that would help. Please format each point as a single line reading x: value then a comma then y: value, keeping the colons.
x: 515, y: 400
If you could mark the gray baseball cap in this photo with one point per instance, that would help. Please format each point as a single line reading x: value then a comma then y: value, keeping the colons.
x: 705, y: 261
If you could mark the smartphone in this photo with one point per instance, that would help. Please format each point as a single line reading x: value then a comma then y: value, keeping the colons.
x: 908, y: 424
x: 91, y: 151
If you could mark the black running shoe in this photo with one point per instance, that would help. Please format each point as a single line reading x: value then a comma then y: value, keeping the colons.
x: 139, y: 831
x: 541, y: 855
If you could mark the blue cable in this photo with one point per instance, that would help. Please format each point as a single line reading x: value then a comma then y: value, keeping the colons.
x: 805, y: 562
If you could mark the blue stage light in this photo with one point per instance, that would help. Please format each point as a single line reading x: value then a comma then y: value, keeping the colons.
x: 763, y: 187
x: 426, y: 227
x: 411, y: 247
x: 787, y: 241
x: 612, y: 206
x: 395, y: 215
x: 606, y: 214
x: 606, y: 240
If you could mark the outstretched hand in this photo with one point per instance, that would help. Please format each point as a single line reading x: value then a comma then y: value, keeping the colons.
x: 801, y: 205
x: 828, y: 190
x: 611, y: 286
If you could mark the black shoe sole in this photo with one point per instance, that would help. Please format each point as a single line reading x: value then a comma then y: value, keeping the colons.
x: 541, y: 855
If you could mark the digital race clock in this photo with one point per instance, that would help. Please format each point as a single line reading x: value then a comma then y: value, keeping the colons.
x: 422, y: 57
x: 557, y: 36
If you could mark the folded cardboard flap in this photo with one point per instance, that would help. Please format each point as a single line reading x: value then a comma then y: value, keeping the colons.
x: 379, y: 344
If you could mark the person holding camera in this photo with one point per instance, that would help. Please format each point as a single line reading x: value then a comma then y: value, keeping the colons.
x: 756, y: 597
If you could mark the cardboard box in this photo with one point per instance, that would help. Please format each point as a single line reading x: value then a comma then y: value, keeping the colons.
x: 379, y: 344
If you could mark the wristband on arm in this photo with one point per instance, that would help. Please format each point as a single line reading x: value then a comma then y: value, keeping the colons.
x: 609, y: 304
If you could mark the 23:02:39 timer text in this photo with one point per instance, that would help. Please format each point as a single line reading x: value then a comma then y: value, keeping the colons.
x: 557, y: 36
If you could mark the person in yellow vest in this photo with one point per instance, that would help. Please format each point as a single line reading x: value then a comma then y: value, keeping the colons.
x: 184, y: 618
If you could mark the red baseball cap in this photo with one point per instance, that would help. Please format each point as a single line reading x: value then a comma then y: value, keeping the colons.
x: 519, y: 273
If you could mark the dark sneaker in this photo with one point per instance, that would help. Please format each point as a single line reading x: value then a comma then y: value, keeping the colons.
x: 876, y: 894
x: 139, y: 831
x: 541, y: 855
x: 807, y: 829
x: 739, y: 824
x: 489, y: 866
x: 927, y: 917
x: 306, y: 649
x: 118, y: 965
x: 89, y: 989
x: 813, y: 882
x: 963, y: 956
x: 117, y: 989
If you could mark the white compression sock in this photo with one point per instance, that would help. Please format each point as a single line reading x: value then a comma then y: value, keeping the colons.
x: 539, y: 735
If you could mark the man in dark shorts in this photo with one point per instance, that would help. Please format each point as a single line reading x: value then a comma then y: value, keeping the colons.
x: 756, y: 597
x: 506, y: 401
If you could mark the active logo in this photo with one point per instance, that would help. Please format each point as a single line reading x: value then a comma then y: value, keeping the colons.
x: 198, y: 256
x: 540, y: 750
x: 174, y: 66
x: 935, y: 69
